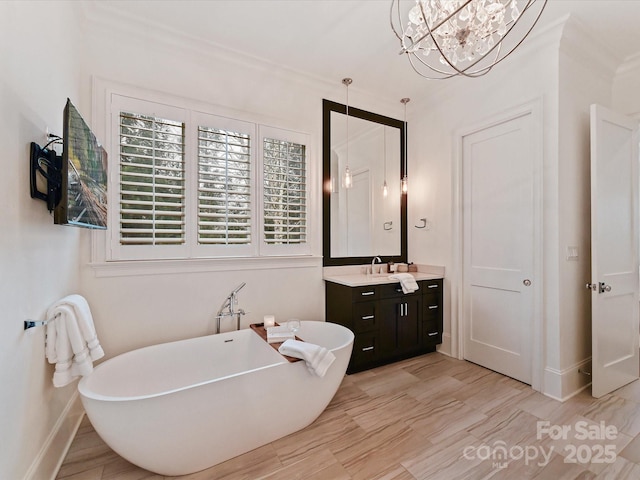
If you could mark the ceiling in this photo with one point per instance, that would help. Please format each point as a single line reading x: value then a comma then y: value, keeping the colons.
x: 332, y: 39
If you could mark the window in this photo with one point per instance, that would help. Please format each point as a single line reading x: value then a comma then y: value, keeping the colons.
x: 152, y: 180
x: 224, y: 187
x: 194, y: 185
x: 285, y: 192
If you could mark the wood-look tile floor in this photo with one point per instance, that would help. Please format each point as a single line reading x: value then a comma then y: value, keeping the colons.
x: 430, y: 417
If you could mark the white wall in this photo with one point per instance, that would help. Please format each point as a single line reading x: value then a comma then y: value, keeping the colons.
x: 38, y: 261
x: 529, y: 75
x: 566, y: 82
x: 584, y: 79
x: 134, y: 310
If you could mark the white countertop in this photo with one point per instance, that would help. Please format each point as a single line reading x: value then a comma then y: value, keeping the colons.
x: 352, y: 276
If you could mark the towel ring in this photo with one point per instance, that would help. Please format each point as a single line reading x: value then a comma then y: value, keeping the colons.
x: 388, y: 224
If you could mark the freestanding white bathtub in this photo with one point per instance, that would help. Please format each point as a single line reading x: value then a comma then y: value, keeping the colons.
x: 181, y: 407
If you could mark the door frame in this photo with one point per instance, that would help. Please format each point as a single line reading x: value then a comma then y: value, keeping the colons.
x: 458, y: 323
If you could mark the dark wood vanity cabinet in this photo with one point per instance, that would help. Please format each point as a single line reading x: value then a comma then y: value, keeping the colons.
x: 388, y: 324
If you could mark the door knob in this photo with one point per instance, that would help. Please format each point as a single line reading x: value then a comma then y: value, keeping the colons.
x: 526, y: 282
x: 603, y: 287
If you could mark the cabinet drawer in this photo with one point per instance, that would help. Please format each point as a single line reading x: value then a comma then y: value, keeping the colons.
x: 365, y: 349
x: 431, y: 286
x: 431, y: 304
x: 362, y: 294
x: 391, y: 290
x: 431, y: 333
x: 365, y: 316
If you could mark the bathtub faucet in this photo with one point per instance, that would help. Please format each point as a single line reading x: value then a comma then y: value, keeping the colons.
x: 228, y: 308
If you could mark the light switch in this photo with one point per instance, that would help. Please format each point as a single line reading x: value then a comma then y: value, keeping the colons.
x: 572, y: 254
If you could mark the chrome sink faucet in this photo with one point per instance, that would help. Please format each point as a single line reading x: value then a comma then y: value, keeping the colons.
x: 373, y: 262
x: 228, y: 308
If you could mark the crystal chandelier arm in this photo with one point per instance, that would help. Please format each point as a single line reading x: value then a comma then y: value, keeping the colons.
x: 446, y: 58
x: 445, y: 76
x: 393, y: 27
x: 499, y: 45
x: 429, y: 29
x: 458, y: 71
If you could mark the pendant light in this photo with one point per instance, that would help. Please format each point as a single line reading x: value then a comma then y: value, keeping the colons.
x: 347, y: 178
x: 405, y: 183
x: 385, y: 188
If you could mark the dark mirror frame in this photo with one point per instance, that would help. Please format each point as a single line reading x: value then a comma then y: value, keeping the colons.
x: 327, y: 107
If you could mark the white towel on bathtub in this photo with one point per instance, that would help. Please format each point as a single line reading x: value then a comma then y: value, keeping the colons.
x: 71, y: 339
x: 317, y: 358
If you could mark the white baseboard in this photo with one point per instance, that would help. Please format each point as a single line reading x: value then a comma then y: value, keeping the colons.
x: 55, y: 448
x: 445, y: 346
x: 564, y: 384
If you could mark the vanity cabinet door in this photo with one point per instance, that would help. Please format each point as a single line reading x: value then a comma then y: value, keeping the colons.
x: 400, y: 325
x: 408, y: 325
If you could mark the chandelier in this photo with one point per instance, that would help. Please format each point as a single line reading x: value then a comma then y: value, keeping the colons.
x: 447, y: 38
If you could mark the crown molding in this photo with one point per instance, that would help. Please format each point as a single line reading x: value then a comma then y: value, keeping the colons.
x: 582, y: 46
x: 104, y: 19
x: 630, y: 65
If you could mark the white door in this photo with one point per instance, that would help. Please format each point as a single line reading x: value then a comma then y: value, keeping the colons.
x: 498, y: 164
x: 614, y: 250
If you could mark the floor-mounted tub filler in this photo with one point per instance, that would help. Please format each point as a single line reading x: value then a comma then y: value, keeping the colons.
x: 180, y: 407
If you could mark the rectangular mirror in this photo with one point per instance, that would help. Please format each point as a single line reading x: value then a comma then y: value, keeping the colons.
x: 361, y: 222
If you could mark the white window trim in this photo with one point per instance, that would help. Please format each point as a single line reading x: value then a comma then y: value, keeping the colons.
x: 103, y: 90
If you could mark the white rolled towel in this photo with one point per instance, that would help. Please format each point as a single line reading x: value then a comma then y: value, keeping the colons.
x: 317, y: 358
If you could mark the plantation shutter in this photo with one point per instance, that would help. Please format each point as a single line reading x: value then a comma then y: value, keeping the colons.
x: 284, y: 192
x: 224, y: 187
x: 152, y: 180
